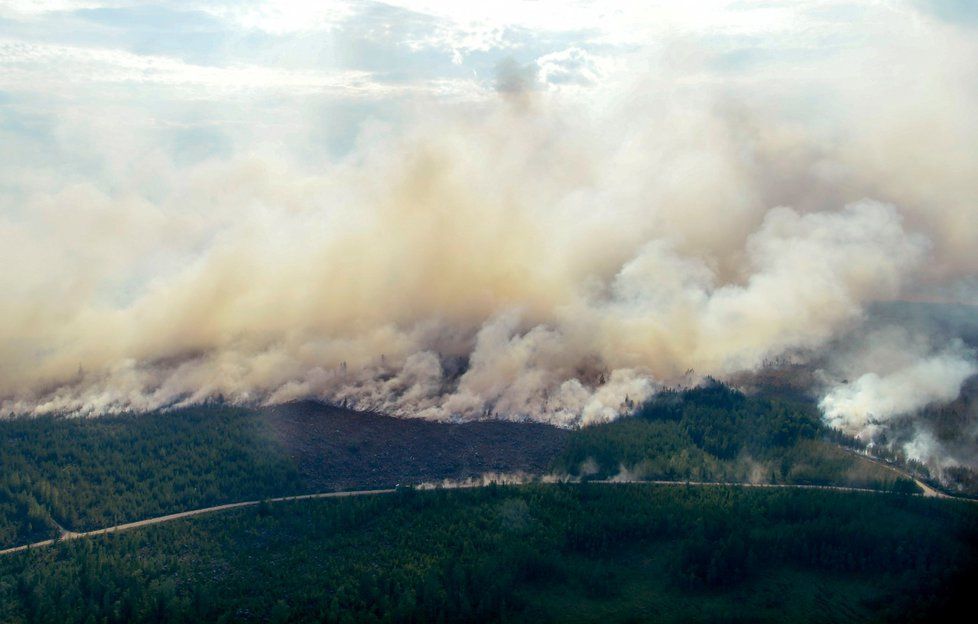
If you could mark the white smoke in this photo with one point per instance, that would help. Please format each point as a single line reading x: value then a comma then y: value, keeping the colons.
x: 537, y: 255
x: 374, y: 316
x: 881, y: 387
x: 900, y: 386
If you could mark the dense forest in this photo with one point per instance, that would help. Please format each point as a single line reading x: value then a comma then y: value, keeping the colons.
x: 571, y: 552
x: 715, y: 433
x: 89, y: 473
x: 81, y: 474
x: 576, y: 552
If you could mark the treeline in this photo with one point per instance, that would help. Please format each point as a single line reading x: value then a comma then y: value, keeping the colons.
x: 90, y: 473
x: 83, y: 474
x: 716, y: 433
x: 725, y: 422
x: 541, y: 553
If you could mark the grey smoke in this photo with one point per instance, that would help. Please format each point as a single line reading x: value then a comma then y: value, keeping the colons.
x: 558, y: 260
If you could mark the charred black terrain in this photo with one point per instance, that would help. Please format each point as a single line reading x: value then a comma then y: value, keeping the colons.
x: 543, y: 552
x: 338, y: 448
x: 81, y: 474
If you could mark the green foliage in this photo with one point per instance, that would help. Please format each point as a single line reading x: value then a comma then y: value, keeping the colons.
x: 585, y: 552
x: 904, y: 485
x: 21, y: 517
x: 714, y: 433
x: 90, y: 473
x: 725, y: 422
x: 588, y: 552
x: 83, y: 474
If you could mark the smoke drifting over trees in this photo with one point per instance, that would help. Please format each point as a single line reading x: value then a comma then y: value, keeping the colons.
x: 535, y: 253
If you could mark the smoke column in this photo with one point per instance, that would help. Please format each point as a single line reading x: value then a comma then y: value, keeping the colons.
x: 529, y: 253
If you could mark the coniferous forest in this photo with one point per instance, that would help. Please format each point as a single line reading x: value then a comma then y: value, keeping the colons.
x: 534, y: 311
x: 562, y: 553
x: 576, y: 551
x: 87, y: 473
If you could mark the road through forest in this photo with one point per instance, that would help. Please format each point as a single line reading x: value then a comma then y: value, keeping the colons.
x: 70, y: 535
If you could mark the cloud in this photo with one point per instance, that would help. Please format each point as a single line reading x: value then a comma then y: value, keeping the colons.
x: 57, y: 66
x: 571, y: 66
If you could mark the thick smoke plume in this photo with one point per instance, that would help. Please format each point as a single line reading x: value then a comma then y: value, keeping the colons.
x: 552, y: 258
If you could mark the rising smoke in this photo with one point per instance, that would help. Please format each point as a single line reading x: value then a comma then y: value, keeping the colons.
x: 534, y: 255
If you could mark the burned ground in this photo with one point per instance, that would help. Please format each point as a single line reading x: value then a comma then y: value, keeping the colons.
x: 338, y: 448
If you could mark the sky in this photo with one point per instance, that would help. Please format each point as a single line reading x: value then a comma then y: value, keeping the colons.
x: 458, y: 210
x: 185, y: 81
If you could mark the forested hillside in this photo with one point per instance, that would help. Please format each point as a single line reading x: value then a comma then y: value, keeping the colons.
x: 87, y: 473
x: 83, y: 474
x: 715, y: 433
x: 560, y: 553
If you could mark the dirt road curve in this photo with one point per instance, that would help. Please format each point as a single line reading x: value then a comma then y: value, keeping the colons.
x: 928, y: 490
